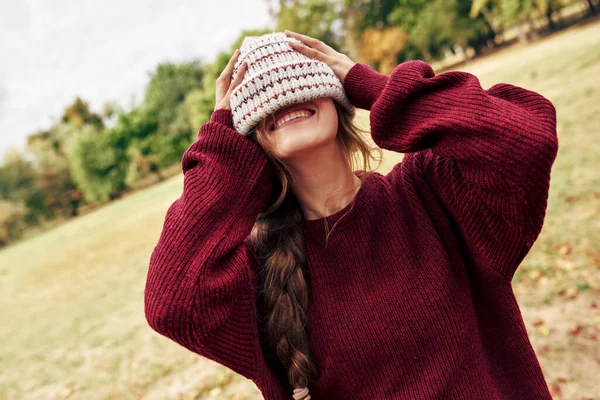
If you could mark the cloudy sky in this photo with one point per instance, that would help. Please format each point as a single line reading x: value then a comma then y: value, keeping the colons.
x: 54, y: 50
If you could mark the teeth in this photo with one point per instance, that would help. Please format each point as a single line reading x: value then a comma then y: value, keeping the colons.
x: 292, y: 115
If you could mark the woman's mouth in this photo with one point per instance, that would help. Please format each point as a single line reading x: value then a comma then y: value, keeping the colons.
x: 291, y: 118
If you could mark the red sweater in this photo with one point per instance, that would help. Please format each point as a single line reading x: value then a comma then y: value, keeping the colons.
x: 412, y: 297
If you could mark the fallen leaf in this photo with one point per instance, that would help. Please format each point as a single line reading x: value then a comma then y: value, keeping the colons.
x: 576, y: 330
x: 569, y: 293
x: 544, y: 330
x: 542, y: 350
x: 570, y: 199
x: 564, y: 249
x: 535, y: 275
x: 564, y: 264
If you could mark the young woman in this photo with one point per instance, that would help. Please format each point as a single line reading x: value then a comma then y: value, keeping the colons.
x: 284, y: 263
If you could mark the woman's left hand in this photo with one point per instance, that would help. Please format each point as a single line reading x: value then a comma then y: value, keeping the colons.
x: 314, y: 48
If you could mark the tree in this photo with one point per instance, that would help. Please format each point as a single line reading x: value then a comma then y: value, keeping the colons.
x: 78, y: 114
x: 517, y: 13
x: 315, y: 18
x: 56, y: 193
x: 99, y: 164
x: 380, y: 47
x: 591, y: 7
x: 167, y: 88
x: 17, y: 176
x: 431, y: 25
x: 11, y: 221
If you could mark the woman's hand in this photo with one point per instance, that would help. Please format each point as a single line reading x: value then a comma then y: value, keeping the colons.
x: 314, y: 48
x: 225, y: 85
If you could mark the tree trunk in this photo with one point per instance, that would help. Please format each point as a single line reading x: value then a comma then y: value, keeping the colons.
x: 533, y: 32
x: 591, y: 7
x: 551, y: 24
x: 521, y: 32
x: 159, y: 175
x: 487, y: 18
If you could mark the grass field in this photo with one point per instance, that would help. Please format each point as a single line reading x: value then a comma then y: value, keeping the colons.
x: 72, y: 298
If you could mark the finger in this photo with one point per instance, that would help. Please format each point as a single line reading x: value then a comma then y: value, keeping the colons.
x: 312, y: 42
x: 239, y: 76
x: 312, y: 53
x: 224, y: 78
x: 229, y: 67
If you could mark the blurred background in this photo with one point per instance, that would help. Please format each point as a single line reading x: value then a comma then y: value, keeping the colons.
x: 99, y: 100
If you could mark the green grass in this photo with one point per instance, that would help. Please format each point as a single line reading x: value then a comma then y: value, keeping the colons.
x: 72, y: 298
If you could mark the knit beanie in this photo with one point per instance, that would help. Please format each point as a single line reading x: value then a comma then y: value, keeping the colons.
x: 278, y: 76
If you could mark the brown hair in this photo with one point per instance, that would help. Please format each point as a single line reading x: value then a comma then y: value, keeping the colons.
x: 278, y: 242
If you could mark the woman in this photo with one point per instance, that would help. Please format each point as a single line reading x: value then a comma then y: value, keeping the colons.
x: 399, y: 287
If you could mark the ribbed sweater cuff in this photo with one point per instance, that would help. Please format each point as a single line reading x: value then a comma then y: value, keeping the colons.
x: 223, y: 116
x: 363, y: 85
x: 229, y: 148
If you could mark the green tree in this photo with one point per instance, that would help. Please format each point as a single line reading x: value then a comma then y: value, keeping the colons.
x: 99, y: 164
x: 12, y: 215
x: 431, y: 25
x: 56, y: 193
x: 18, y: 186
x: 161, y: 126
x: 169, y: 84
x: 440, y: 24
x: 17, y: 176
x: 315, y: 18
x: 516, y: 13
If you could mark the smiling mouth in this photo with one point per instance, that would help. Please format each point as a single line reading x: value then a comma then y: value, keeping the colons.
x: 273, y: 124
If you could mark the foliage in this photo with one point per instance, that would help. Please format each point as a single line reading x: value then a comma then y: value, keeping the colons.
x: 17, y: 175
x: 382, y: 46
x: 507, y: 13
x: 78, y: 114
x: 99, y: 164
x: 312, y: 17
x: 12, y: 220
x: 167, y: 89
x: 55, y: 193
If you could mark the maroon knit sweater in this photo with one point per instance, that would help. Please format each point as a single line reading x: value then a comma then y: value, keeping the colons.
x: 412, y: 297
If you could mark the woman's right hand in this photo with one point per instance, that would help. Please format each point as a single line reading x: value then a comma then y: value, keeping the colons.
x: 225, y: 85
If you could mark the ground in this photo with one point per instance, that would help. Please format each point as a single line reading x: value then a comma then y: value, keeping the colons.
x: 72, y: 298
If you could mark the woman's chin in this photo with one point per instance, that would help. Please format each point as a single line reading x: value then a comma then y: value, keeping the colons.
x: 299, y: 143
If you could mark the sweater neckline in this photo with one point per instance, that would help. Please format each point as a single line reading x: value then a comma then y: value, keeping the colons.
x: 316, y: 227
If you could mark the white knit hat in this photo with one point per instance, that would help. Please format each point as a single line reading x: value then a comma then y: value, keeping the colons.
x: 278, y: 76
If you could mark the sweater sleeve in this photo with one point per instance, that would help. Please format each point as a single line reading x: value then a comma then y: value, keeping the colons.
x: 486, y: 154
x: 199, y: 287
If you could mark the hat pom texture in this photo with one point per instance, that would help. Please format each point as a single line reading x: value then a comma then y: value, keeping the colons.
x: 278, y: 76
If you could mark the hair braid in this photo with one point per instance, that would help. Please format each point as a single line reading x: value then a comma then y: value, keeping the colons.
x: 285, y: 292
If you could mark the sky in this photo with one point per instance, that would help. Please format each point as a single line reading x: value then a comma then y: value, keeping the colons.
x: 54, y: 50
